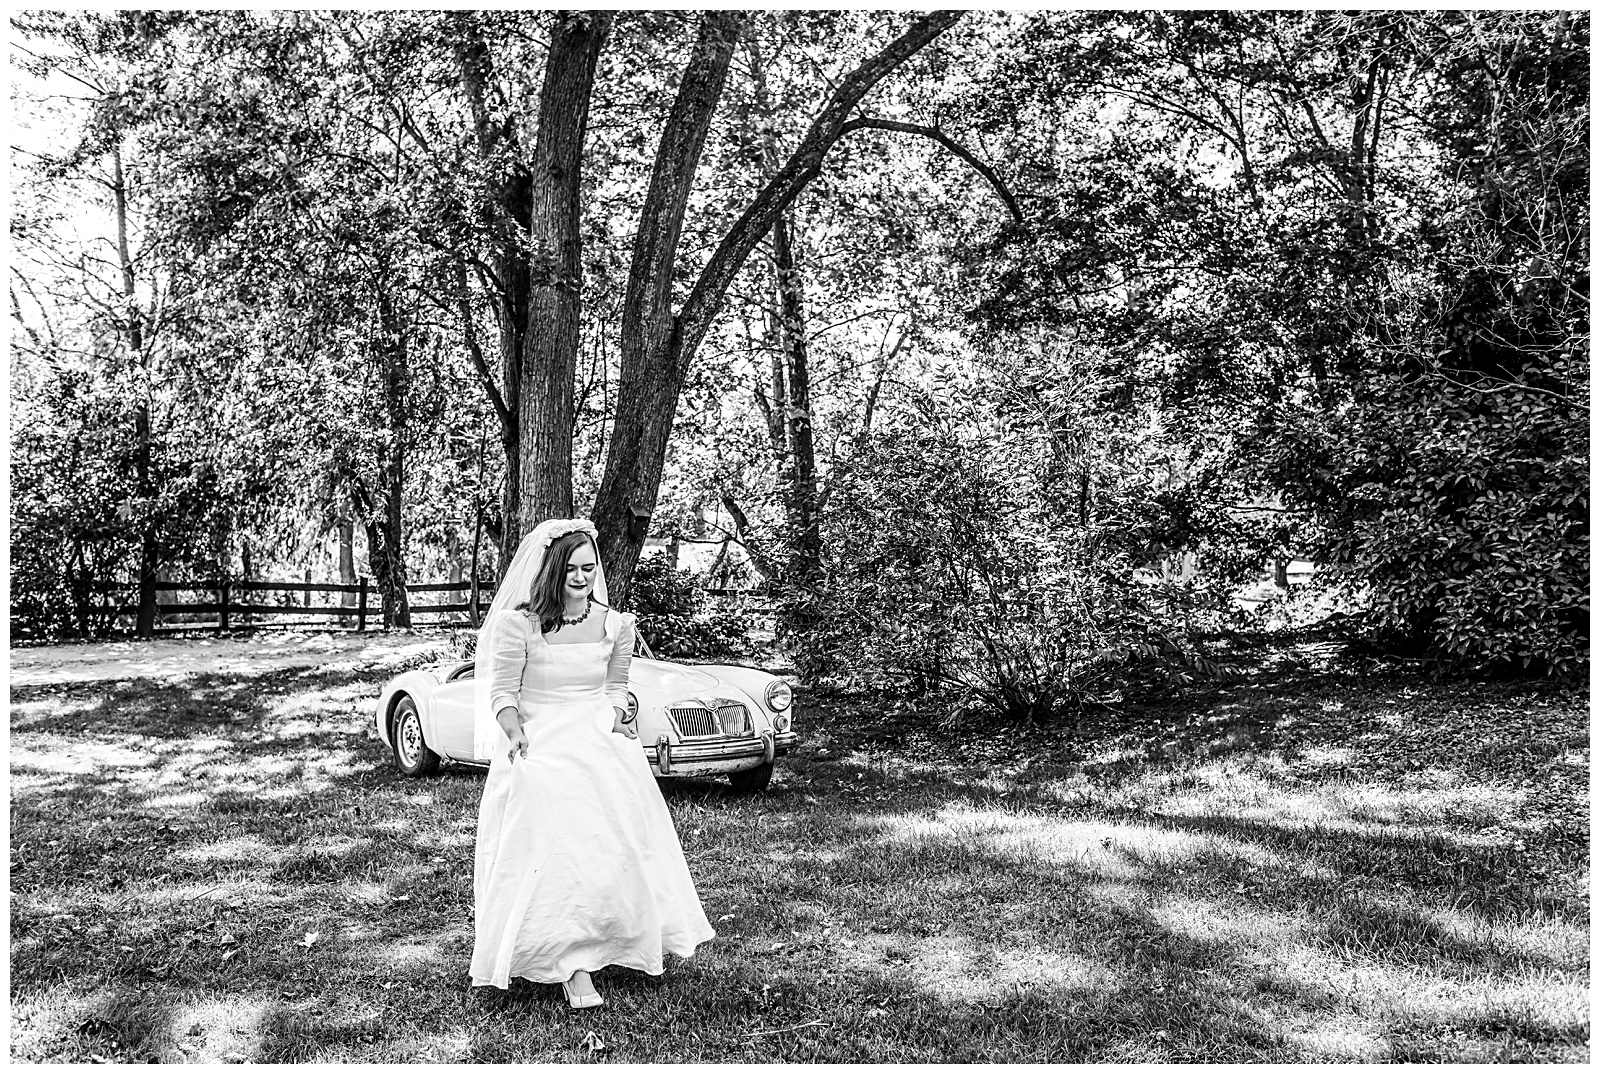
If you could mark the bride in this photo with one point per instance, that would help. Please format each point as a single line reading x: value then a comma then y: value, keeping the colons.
x: 578, y: 865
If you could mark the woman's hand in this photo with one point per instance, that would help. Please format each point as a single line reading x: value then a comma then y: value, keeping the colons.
x: 622, y: 725
x: 519, y: 744
x: 512, y: 726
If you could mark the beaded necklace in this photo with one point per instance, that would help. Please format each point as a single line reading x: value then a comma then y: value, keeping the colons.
x: 588, y: 606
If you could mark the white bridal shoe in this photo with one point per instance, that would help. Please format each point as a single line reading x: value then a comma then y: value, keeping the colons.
x: 580, y: 991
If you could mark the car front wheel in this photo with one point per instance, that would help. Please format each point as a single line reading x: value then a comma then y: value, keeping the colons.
x: 411, y: 753
x: 752, y: 780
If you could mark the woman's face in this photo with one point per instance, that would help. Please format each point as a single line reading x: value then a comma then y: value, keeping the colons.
x: 580, y: 571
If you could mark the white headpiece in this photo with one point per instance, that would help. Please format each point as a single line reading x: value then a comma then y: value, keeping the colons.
x: 515, y: 587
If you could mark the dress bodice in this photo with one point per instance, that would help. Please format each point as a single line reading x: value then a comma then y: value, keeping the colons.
x: 528, y: 671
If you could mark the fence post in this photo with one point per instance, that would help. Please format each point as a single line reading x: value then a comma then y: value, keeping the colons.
x: 222, y: 595
x: 361, y: 605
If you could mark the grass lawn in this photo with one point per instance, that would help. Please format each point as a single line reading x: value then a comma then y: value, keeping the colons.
x: 1306, y: 864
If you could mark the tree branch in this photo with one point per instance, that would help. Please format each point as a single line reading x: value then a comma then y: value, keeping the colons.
x: 868, y: 123
x: 804, y: 164
x: 508, y: 422
x: 647, y: 301
x: 477, y: 76
x: 741, y: 537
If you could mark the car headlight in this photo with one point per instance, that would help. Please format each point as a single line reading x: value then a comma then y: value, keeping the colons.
x: 633, y: 708
x: 779, y: 695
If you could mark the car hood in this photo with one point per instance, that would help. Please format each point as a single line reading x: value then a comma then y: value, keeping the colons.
x: 671, y: 682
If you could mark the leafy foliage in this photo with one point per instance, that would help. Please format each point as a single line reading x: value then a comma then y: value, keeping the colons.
x: 954, y: 565
x: 1285, y: 284
x: 1467, y: 523
x: 1340, y: 254
x: 678, y: 621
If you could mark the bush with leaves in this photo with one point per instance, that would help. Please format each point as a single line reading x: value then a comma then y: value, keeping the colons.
x: 1467, y: 536
x: 675, y: 618
x: 67, y: 542
x: 1399, y: 373
x: 76, y: 510
x: 950, y: 569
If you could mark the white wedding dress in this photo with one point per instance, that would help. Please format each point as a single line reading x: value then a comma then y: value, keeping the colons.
x: 578, y: 864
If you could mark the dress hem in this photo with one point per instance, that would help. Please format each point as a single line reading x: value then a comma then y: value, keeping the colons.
x: 656, y: 971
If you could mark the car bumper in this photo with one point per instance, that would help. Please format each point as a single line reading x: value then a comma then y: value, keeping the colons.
x: 717, y: 756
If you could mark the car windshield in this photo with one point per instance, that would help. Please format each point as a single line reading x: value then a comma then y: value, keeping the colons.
x: 640, y: 647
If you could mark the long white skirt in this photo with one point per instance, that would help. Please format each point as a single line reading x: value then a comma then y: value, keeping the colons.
x: 578, y: 864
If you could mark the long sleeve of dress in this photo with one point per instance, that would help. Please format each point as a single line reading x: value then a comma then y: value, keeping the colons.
x: 508, y: 641
x: 621, y: 660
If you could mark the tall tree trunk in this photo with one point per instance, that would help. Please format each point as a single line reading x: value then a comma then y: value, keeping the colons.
x: 653, y: 369
x: 806, y: 542
x: 555, y: 282
x: 477, y: 539
x: 649, y: 382
x: 452, y: 556
x: 386, y: 535
x: 508, y: 207
x: 148, y: 550
x: 134, y: 327
x: 477, y: 545
x: 513, y: 322
x: 790, y: 414
x: 536, y: 256
x: 247, y: 573
x: 347, y: 553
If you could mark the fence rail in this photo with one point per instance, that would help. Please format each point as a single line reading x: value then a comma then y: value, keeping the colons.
x: 231, y: 598
x: 223, y: 605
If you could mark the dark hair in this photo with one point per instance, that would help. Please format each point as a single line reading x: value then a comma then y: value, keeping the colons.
x: 546, y: 599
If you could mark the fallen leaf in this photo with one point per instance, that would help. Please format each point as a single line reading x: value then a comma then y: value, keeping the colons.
x: 311, y: 938
x: 592, y: 1041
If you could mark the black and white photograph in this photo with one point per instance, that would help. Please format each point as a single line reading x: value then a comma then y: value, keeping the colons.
x: 801, y: 535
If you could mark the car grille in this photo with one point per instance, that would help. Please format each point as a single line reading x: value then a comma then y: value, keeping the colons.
x: 705, y: 719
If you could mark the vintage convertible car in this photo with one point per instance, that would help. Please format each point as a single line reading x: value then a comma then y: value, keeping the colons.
x: 693, y: 719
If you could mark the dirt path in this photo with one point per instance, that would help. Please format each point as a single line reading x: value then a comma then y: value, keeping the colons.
x: 172, y: 658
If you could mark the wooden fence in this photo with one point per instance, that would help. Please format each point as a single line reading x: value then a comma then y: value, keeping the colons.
x: 238, y: 603
x: 229, y: 604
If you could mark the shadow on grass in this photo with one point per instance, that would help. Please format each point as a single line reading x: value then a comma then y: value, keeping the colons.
x: 219, y: 867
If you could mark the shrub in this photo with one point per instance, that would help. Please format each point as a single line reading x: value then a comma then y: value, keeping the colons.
x: 1468, y: 534
x: 948, y: 568
x: 676, y: 619
x: 68, y: 543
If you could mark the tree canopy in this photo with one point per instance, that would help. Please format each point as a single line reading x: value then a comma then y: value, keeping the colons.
x: 1156, y: 297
